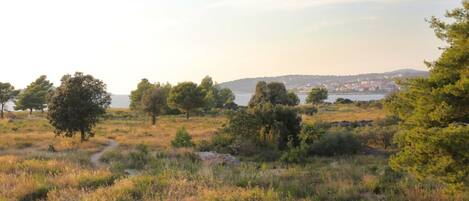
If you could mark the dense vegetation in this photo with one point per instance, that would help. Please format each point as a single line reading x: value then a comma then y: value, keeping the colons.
x: 434, y: 133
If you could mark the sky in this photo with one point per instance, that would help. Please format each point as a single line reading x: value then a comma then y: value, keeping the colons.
x: 123, y: 41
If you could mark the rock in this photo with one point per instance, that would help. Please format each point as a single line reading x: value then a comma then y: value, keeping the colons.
x: 213, y: 158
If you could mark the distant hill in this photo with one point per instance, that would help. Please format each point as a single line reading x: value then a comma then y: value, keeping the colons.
x: 362, y: 83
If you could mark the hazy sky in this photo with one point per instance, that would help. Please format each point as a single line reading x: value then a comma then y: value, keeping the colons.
x: 122, y: 41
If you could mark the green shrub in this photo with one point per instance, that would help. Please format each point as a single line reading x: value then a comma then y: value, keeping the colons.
x: 182, y: 139
x: 139, y: 158
x: 295, y: 154
x: 332, y: 144
x: 343, y: 101
x: 313, y: 132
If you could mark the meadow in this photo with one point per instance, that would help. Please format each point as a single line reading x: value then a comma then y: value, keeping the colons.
x: 37, y: 165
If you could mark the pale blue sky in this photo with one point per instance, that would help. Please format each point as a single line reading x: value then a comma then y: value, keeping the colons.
x: 122, y: 41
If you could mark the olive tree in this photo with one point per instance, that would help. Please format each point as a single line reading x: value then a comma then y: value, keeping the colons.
x: 77, y: 105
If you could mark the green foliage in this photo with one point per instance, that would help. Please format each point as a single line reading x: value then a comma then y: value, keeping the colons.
x: 182, y: 139
x: 340, y: 142
x: 311, y: 133
x: 77, y: 105
x: 343, y: 101
x: 274, y: 93
x: 7, y: 93
x: 380, y: 134
x: 278, y: 124
x: 136, y: 95
x: 215, y: 97
x: 434, y: 111
x: 316, y: 96
x: 154, y: 101
x: 34, y: 97
x: 187, y: 97
x: 138, y: 158
x: 295, y: 154
x: 244, y: 124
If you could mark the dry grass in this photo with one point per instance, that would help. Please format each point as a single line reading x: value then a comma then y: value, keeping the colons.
x: 347, y: 112
x: 29, y: 172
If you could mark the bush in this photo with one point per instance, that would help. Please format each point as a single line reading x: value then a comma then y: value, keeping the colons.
x: 295, y: 154
x: 182, y: 139
x: 313, y: 132
x: 140, y: 157
x: 343, y: 101
x: 332, y: 144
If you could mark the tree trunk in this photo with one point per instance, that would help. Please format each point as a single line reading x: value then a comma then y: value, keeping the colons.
x: 30, y: 111
x: 187, y: 115
x: 153, y: 120
x: 1, y: 112
x: 82, y: 137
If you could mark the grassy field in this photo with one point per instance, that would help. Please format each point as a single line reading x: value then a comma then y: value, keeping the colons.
x: 30, y: 171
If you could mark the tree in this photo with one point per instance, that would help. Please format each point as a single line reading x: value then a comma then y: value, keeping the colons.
x: 7, y: 93
x: 434, y: 112
x: 187, y: 97
x: 77, y: 105
x: 153, y: 102
x: 225, y: 97
x: 136, y: 95
x: 293, y: 99
x: 261, y: 95
x: 34, y: 97
x: 316, y: 96
x: 274, y: 93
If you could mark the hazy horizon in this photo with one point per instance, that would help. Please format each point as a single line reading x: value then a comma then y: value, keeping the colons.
x: 121, y: 42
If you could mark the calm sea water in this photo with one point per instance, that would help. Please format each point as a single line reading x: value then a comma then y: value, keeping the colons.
x: 243, y: 99
x: 122, y: 101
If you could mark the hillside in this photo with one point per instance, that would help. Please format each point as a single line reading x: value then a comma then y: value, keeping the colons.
x: 365, y: 83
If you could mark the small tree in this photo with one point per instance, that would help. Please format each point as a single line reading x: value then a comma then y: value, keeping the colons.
x: 316, y: 96
x: 187, y: 97
x: 182, y: 139
x: 34, y: 97
x: 7, y: 93
x: 153, y: 102
x: 137, y: 94
x: 293, y: 99
x: 77, y: 104
x: 225, y: 97
x: 274, y: 93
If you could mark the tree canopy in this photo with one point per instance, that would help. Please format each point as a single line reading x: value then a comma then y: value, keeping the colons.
x: 7, y: 93
x: 187, y: 97
x: 77, y: 105
x: 154, y: 102
x: 34, y: 97
x: 316, y: 96
x: 434, y: 111
x: 136, y: 95
x: 215, y: 96
x: 274, y: 93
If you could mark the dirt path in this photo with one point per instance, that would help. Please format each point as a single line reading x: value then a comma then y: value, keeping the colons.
x: 95, y: 158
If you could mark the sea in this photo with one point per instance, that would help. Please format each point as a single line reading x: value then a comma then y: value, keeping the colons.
x: 122, y: 101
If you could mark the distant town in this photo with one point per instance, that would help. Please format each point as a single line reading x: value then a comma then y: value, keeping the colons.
x: 374, y: 83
